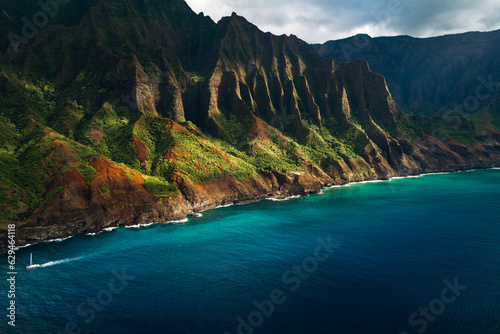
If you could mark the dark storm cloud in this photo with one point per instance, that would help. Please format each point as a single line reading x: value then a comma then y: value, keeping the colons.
x: 430, y: 18
x: 321, y: 20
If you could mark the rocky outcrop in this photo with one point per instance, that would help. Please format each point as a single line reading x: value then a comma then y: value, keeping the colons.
x: 117, y: 198
x: 113, y: 199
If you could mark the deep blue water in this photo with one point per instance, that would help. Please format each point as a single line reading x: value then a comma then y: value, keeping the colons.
x: 390, y: 248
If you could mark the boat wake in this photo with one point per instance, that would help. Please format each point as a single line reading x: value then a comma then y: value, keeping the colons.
x: 53, y: 263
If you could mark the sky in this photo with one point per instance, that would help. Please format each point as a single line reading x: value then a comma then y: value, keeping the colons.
x: 317, y: 21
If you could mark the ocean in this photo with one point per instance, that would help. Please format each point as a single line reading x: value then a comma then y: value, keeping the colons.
x: 410, y: 255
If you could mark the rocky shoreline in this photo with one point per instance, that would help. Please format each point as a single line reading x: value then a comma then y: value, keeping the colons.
x: 62, y: 219
x: 183, y: 115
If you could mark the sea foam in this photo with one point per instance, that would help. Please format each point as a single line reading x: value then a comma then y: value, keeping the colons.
x: 53, y: 263
x: 275, y: 199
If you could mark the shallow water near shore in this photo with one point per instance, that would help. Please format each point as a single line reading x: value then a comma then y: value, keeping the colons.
x: 367, y: 258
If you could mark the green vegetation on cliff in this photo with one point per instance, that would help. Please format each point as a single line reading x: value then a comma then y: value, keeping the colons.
x: 147, y: 96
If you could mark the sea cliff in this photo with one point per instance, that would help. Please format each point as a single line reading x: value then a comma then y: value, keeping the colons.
x: 143, y: 111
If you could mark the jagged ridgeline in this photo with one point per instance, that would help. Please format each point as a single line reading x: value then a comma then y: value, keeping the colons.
x: 123, y: 112
x: 431, y: 76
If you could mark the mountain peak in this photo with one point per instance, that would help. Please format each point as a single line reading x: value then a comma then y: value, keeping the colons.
x: 426, y: 75
x: 363, y: 35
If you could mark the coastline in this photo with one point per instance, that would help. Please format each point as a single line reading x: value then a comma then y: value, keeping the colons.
x: 112, y: 227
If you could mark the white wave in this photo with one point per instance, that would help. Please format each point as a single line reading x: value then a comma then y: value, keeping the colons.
x: 397, y: 178
x: 133, y: 226
x: 53, y: 263
x: 181, y: 221
x: 438, y: 173
x: 223, y: 206
x: 402, y: 177
x: 107, y: 229
x: 369, y: 181
x: 339, y: 186
x: 60, y: 239
x: 19, y: 247
x: 276, y: 199
x: 139, y: 225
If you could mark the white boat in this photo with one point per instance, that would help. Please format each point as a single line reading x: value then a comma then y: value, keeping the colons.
x: 32, y: 266
x: 197, y: 214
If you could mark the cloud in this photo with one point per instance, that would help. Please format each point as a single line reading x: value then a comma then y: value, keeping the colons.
x: 322, y: 20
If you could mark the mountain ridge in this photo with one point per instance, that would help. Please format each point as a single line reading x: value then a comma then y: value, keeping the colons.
x: 432, y: 75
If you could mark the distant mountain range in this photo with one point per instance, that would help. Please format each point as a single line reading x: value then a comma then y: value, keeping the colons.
x: 120, y: 112
x: 432, y: 75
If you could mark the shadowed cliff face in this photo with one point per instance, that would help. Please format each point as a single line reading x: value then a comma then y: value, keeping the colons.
x: 432, y: 75
x: 145, y: 111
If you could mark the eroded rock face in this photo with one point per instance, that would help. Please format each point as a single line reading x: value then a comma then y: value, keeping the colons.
x: 113, y: 199
x: 426, y: 74
x: 82, y: 208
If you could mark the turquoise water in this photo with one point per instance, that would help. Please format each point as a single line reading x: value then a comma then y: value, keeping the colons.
x: 356, y: 259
